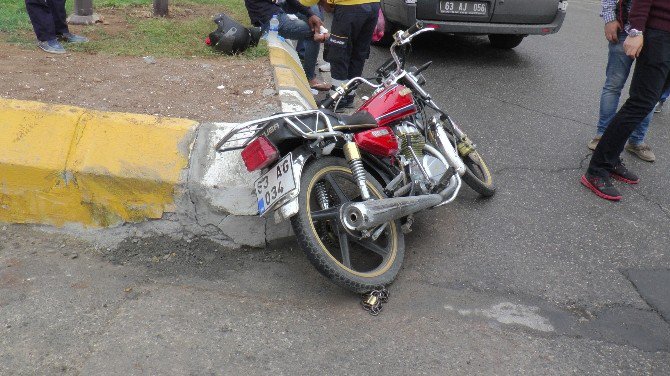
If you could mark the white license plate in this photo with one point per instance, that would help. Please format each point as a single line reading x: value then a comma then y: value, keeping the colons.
x: 464, y: 7
x: 275, y: 184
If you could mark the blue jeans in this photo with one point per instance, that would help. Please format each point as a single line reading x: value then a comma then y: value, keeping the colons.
x: 665, y: 96
x: 300, y: 46
x: 618, y: 68
x: 299, y: 30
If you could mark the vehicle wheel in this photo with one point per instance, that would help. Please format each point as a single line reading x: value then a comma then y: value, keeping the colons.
x: 359, y: 265
x: 389, y: 29
x: 505, y: 41
x: 477, y: 174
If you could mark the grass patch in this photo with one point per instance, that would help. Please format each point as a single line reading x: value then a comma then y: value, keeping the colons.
x: 131, y: 30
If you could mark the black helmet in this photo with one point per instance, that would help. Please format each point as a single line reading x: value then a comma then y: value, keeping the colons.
x: 230, y: 37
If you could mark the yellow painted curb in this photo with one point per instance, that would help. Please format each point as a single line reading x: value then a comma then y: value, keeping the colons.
x: 62, y: 164
x: 286, y: 78
x: 288, y: 72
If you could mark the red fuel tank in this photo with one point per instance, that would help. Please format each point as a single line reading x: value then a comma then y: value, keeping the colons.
x: 391, y: 104
x: 379, y: 141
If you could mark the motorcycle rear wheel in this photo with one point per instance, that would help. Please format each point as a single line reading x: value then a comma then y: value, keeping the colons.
x: 355, y: 263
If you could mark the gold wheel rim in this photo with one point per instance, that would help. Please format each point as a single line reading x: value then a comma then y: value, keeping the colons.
x: 393, y: 228
x: 484, y: 167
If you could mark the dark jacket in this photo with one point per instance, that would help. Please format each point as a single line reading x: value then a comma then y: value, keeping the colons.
x: 261, y: 11
x: 654, y: 14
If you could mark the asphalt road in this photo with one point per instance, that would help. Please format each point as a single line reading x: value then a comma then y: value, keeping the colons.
x: 544, y: 278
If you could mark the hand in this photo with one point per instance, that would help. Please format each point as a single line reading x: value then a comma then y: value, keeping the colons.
x: 612, y: 31
x: 633, y: 46
x: 321, y: 38
x: 315, y: 23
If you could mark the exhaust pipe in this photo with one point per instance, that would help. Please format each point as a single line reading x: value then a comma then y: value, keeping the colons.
x: 373, y: 213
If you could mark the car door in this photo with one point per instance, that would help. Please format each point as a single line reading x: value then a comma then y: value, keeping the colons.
x: 525, y: 11
x: 455, y: 10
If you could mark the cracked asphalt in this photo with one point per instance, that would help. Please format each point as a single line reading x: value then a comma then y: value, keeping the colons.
x: 544, y: 278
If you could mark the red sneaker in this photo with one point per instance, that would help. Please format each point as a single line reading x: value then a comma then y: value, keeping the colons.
x: 602, y: 187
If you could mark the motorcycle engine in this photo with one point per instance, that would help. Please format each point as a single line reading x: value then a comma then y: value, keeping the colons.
x: 412, y: 143
x: 410, y: 140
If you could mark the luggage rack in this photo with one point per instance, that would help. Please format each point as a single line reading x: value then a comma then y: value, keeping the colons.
x: 241, y: 135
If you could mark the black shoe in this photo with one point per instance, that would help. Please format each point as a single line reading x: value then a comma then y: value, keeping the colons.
x: 621, y: 173
x: 602, y: 187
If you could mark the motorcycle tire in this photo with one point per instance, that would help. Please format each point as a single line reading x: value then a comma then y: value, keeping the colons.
x: 355, y: 263
x: 477, y: 174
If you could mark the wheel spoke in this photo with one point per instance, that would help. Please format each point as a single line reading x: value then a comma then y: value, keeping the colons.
x: 370, y: 246
x: 321, y: 215
x: 338, y: 190
x: 344, y: 247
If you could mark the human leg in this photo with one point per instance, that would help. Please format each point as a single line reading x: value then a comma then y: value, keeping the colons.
x: 616, y: 73
x: 649, y: 78
x: 666, y: 94
x: 40, y: 16
x: 636, y: 144
x: 339, y: 44
x: 362, y: 38
x: 661, y: 102
x: 298, y: 29
x: 59, y: 16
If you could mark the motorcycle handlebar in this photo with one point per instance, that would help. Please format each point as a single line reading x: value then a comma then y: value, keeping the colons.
x: 348, y: 88
x: 413, y: 29
x: 328, y: 102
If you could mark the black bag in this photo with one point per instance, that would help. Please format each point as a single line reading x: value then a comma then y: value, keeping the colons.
x: 230, y: 37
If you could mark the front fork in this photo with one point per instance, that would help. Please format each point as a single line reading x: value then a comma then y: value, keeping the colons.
x: 438, y: 136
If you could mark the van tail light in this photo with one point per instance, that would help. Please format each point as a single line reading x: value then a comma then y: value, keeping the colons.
x: 259, y: 153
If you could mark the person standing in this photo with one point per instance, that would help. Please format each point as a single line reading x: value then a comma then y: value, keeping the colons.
x: 303, y: 26
x: 48, y: 18
x: 354, y: 22
x: 649, y: 41
x: 615, y: 14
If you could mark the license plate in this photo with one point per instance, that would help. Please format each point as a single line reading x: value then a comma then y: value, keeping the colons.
x: 464, y: 7
x: 275, y: 184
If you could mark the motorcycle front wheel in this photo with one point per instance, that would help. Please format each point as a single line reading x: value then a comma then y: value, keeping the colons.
x: 477, y: 174
x: 357, y: 263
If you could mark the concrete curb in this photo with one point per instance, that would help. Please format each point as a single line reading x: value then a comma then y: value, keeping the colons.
x: 290, y: 78
x: 64, y: 164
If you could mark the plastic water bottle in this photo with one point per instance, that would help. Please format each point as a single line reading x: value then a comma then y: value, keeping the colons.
x: 272, y: 35
x: 274, y: 24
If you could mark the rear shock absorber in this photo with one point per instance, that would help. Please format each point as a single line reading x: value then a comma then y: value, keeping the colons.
x: 353, y: 156
x: 322, y: 195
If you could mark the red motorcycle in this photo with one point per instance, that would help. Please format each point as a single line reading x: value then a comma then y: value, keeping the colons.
x: 350, y: 184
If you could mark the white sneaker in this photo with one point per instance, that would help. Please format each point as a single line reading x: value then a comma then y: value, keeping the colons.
x: 325, y: 67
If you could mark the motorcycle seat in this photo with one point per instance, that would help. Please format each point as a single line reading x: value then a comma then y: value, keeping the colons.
x: 358, y: 119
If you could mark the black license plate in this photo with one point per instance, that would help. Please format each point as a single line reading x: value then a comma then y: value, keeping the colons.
x: 471, y: 8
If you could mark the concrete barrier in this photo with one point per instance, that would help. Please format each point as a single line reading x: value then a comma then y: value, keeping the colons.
x: 62, y: 164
